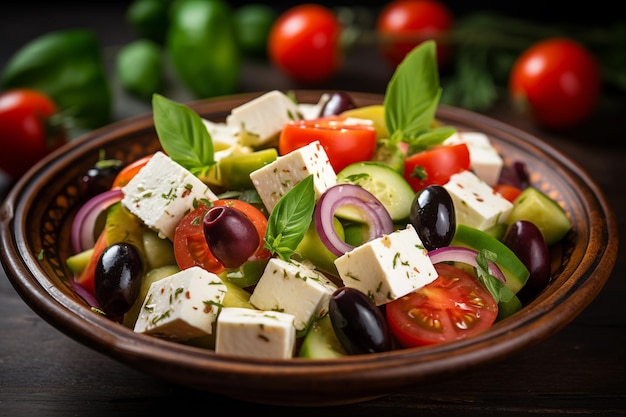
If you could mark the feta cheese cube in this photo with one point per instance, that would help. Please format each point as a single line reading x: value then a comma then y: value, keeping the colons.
x: 294, y: 288
x: 162, y: 193
x: 388, y: 267
x: 274, y: 180
x: 182, y: 306
x: 255, y: 333
x: 477, y: 204
x: 485, y: 160
x: 222, y: 135
x: 260, y: 120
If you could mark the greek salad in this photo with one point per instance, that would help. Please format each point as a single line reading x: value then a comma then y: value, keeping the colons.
x: 315, y: 230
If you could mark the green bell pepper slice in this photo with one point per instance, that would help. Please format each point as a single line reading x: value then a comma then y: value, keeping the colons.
x: 67, y: 66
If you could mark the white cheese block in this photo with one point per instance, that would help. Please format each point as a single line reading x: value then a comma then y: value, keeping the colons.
x: 294, y: 288
x: 275, y: 179
x: 260, y: 120
x: 388, y: 267
x: 182, y: 306
x: 222, y: 135
x: 162, y: 193
x: 312, y: 111
x: 476, y: 203
x: 255, y: 333
x: 485, y: 160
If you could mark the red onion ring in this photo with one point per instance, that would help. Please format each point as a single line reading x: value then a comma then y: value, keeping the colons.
x: 465, y: 255
x: 82, y: 234
x: 372, y: 210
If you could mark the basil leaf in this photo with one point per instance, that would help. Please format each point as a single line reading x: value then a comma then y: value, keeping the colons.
x: 496, y: 287
x: 183, y: 136
x: 290, y: 219
x: 413, y: 92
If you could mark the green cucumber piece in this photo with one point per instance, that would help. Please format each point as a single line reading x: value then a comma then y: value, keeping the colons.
x: 389, y: 186
x: 159, y: 252
x: 321, y: 342
x: 78, y: 262
x: 514, y: 270
x: 312, y: 249
x: 389, y: 153
x: 235, y: 169
x: 246, y: 275
x: 537, y: 207
x: 123, y: 226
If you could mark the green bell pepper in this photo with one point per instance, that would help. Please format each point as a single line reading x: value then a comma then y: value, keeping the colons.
x: 66, y: 65
x: 202, y: 44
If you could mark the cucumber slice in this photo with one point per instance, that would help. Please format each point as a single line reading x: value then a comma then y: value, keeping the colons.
x: 78, y: 262
x: 513, y: 269
x: 321, y: 342
x: 390, y: 154
x: 159, y: 252
x: 538, y: 208
x: 389, y: 186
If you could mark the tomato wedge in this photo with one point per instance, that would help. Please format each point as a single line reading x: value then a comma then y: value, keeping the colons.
x: 345, y: 139
x: 454, y: 306
x: 510, y: 192
x: 190, y: 246
x: 436, y: 165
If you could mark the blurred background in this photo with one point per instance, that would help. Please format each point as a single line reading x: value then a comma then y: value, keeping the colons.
x: 486, y: 36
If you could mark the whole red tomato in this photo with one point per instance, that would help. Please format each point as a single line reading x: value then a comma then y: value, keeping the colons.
x: 27, y: 133
x: 304, y: 43
x: 403, y: 24
x: 558, y: 81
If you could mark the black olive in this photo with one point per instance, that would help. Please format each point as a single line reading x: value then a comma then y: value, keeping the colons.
x: 359, y: 324
x: 526, y: 241
x: 433, y: 216
x: 100, y: 177
x: 230, y: 235
x: 337, y: 103
x: 117, y: 279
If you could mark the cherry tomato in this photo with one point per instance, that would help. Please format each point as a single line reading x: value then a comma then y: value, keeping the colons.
x: 510, y: 192
x: 129, y: 171
x: 304, y: 43
x: 404, y: 24
x: 435, y: 166
x: 558, y: 81
x: 454, y: 306
x: 345, y: 140
x: 87, y: 278
x: 190, y: 246
x: 27, y: 132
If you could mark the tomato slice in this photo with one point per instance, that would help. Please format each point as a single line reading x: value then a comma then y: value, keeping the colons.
x: 510, y: 192
x: 454, y: 306
x: 190, y: 246
x: 87, y: 278
x: 436, y: 165
x: 346, y: 140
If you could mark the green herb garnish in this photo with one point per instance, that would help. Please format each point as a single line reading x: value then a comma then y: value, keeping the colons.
x: 499, y: 291
x: 183, y: 136
x: 290, y: 219
x: 412, y: 98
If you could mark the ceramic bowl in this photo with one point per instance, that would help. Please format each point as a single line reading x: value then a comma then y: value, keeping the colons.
x: 36, y: 218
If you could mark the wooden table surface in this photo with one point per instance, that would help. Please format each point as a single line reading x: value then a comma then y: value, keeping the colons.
x: 581, y: 370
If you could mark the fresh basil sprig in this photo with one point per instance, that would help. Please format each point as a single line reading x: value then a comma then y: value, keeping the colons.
x: 412, y: 98
x: 290, y: 219
x: 183, y: 136
x: 499, y: 291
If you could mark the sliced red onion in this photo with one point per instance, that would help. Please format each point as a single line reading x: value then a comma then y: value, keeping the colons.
x: 85, y: 220
x: 85, y: 295
x: 371, y: 209
x: 465, y: 255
